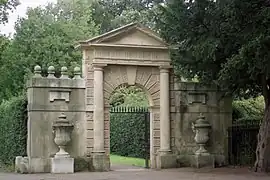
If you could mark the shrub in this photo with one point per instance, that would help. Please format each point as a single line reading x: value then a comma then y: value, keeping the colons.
x: 128, y: 134
x: 249, y: 109
x: 13, y: 129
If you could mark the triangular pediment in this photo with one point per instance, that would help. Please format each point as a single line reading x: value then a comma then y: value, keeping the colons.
x: 132, y: 34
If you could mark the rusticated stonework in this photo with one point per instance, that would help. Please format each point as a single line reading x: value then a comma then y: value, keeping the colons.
x: 143, y: 76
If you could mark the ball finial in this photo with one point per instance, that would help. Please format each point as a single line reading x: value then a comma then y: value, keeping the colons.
x: 51, y: 72
x: 37, y: 68
x: 77, y: 73
x: 37, y: 71
x: 64, y: 72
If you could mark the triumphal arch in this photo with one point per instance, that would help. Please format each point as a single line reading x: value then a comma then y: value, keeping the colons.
x: 129, y: 55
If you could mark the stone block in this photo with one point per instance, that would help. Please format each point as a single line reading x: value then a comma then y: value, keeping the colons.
x: 32, y: 165
x: 204, y: 160
x: 39, y: 165
x: 100, y: 162
x: 166, y: 161
x: 62, y: 165
x: 21, y: 164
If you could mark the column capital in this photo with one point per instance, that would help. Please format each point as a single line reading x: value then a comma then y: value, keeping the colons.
x: 98, y: 67
x: 165, y: 68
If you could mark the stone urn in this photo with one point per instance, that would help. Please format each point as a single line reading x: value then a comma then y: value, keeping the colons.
x: 62, y: 129
x: 201, y: 128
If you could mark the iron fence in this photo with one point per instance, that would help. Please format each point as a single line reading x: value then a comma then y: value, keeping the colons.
x: 243, y: 142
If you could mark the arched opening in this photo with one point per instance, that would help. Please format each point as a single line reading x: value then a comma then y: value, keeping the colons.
x: 129, y: 128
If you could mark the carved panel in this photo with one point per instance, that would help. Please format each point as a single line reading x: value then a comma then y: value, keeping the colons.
x: 59, y: 94
x: 197, y: 98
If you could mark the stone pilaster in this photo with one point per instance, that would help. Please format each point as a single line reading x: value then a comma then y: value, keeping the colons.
x: 98, y: 110
x: 164, y: 111
x: 100, y: 159
x: 165, y: 158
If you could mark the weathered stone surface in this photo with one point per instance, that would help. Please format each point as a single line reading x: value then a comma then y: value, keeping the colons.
x: 166, y: 161
x: 216, y: 108
x: 201, y: 161
x: 101, y: 162
x: 62, y: 165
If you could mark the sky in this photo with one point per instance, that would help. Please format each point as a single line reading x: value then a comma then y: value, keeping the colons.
x: 20, y: 11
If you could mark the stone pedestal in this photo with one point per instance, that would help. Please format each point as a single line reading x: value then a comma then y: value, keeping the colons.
x: 101, y: 162
x: 62, y: 165
x: 166, y: 160
x: 203, y: 160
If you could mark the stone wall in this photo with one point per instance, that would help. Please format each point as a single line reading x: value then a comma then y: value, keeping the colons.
x: 48, y: 97
x: 188, y: 100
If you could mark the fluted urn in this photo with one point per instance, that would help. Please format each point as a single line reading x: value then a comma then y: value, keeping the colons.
x: 62, y: 129
x: 201, y: 127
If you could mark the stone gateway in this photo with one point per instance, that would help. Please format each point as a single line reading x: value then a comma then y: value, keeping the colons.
x: 129, y: 55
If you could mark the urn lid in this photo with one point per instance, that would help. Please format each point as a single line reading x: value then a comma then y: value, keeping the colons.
x: 202, y: 122
x: 62, y: 121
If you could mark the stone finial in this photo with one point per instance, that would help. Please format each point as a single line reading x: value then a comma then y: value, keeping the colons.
x: 64, y: 73
x: 37, y: 71
x: 77, y: 73
x: 51, y: 72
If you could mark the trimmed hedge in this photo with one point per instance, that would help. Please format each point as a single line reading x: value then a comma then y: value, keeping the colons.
x: 127, y: 134
x: 13, y: 129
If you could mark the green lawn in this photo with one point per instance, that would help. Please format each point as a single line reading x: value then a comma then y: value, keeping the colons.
x: 115, y: 159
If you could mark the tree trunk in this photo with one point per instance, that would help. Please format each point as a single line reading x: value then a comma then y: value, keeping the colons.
x: 262, y: 163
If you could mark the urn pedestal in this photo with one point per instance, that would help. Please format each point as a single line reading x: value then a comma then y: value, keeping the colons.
x: 62, y: 162
x: 201, y: 157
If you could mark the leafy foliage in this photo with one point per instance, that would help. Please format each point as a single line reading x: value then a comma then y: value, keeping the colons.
x: 129, y: 96
x: 127, y: 134
x: 249, y: 109
x: 13, y: 129
x: 113, y: 14
x: 5, y: 7
x: 225, y: 42
x: 45, y: 37
x: 128, y: 125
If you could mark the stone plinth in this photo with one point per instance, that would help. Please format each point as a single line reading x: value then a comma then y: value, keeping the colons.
x: 166, y: 160
x: 62, y: 165
x: 101, y: 162
x: 203, y: 160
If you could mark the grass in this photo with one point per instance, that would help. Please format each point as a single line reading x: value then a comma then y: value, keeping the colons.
x: 121, y: 160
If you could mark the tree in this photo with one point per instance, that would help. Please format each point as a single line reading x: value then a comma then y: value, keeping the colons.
x: 116, y: 13
x: 129, y: 96
x: 5, y: 7
x: 45, y: 37
x: 225, y: 42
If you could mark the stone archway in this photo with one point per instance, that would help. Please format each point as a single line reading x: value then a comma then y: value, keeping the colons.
x: 129, y: 55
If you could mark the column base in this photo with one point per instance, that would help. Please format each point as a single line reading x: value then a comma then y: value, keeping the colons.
x: 166, y: 160
x: 101, y: 162
x: 203, y: 160
x: 62, y: 165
